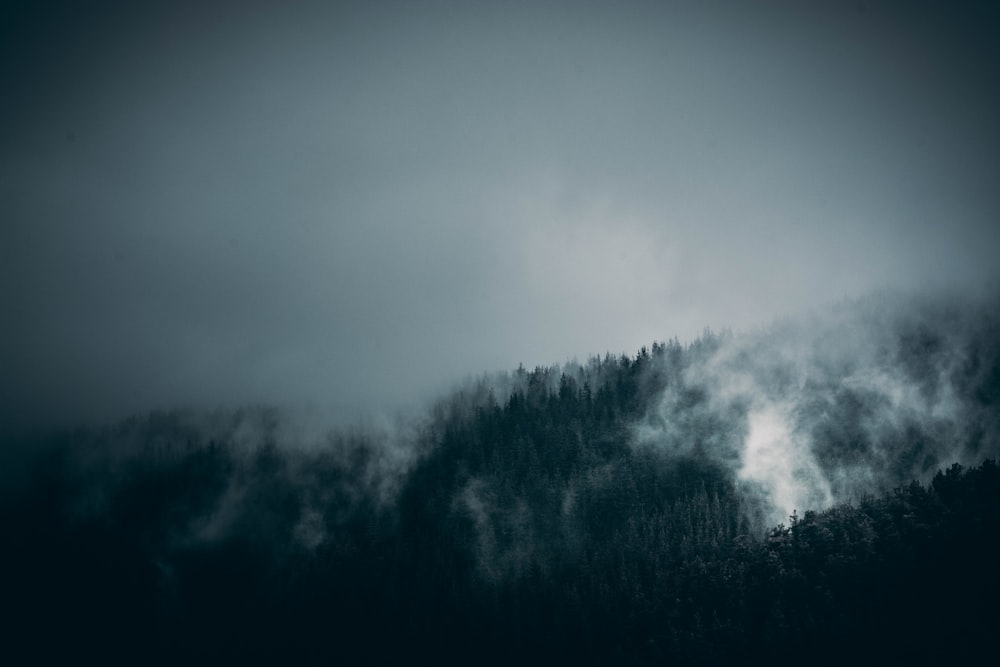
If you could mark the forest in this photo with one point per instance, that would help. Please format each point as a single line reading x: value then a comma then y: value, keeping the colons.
x: 824, y: 489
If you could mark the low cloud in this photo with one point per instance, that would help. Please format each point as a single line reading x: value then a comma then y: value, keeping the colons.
x: 829, y: 406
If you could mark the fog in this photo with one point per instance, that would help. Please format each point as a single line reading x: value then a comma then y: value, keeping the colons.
x: 352, y: 206
x: 839, y: 403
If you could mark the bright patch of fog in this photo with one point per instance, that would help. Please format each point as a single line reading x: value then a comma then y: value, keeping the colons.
x: 781, y: 462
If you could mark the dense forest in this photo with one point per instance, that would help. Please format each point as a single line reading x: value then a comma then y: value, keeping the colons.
x: 822, y: 490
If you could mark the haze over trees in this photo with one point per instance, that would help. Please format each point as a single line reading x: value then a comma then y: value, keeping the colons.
x: 825, y: 489
x: 248, y: 250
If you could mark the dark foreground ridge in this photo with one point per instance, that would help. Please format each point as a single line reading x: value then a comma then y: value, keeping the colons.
x: 908, y: 574
x: 606, y: 513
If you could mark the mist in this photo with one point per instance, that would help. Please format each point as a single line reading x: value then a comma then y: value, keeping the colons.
x: 347, y: 208
x: 501, y: 333
x: 832, y: 462
x: 839, y: 402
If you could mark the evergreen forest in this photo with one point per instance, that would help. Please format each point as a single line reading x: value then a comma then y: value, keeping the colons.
x: 823, y: 490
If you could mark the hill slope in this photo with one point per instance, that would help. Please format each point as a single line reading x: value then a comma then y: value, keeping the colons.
x: 630, y: 509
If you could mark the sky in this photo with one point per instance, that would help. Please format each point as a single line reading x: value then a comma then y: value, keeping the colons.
x: 354, y: 205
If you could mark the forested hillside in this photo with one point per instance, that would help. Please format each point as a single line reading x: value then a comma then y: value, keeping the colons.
x: 822, y: 490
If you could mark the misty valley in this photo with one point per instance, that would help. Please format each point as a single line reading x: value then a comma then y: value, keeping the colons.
x: 822, y: 490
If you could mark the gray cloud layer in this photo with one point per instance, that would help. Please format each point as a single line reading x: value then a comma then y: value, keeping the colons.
x: 353, y: 205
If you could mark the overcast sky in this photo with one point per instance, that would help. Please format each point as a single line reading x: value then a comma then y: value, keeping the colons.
x: 352, y: 206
